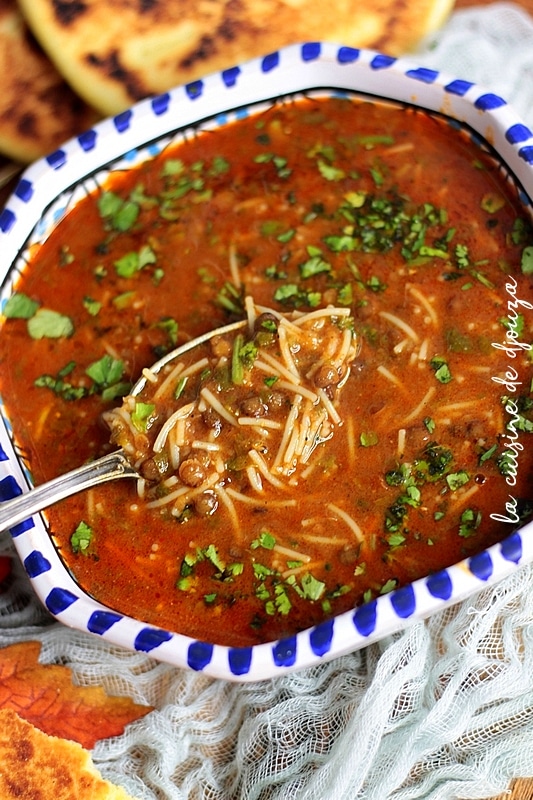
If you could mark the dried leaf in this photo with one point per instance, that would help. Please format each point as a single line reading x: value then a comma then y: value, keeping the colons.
x: 44, y: 695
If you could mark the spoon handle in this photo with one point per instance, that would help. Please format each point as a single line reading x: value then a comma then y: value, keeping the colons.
x: 114, y: 465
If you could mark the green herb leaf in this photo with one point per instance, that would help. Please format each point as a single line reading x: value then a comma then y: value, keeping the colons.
x: 470, y: 522
x: 457, y: 479
x: 461, y: 256
x: 122, y: 214
x: 329, y: 172
x: 487, y: 454
x: 142, y: 417
x: 389, y: 586
x: 441, y: 368
x: 492, y: 202
x: 48, y: 324
x: 430, y: 424
x: 91, y: 306
x: 81, y: 538
x: 527, y: 260
x: 340, y: 244
x: 313, y: 589
x: 265, y: 540
x: 133, y: 262
x: 368, y: 438
x: 314, y: 266
x: 20, y: 306
x: 396, y: 539
x: 106, y: 371
x: 211, y: 553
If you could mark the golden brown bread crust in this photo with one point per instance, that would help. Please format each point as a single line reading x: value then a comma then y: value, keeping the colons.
x: 115, y: 52
x: 41, y: 767
x: 38, y: 110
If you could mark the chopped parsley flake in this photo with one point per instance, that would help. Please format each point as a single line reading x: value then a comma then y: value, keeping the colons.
x: 20, y: 306
x: 441, y: 369
x: 142, y: 416
x: 49, y: 324
x: 81, y: 539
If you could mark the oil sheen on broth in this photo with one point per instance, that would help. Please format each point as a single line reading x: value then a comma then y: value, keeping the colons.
x: 383, y: 212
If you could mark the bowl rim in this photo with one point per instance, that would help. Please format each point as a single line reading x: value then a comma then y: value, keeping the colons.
x: 132, y: 134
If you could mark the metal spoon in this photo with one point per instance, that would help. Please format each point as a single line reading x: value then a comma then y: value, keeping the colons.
x: 110, y: 467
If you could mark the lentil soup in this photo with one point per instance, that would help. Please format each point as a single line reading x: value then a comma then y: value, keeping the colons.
x: 402, y: 225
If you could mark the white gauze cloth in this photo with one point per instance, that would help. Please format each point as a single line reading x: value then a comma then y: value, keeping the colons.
x: 443, y: 710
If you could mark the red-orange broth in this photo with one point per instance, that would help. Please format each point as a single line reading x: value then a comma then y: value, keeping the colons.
x: 383, y: 210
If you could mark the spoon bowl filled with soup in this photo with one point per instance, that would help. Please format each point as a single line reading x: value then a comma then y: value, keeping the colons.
x: 357, y: 455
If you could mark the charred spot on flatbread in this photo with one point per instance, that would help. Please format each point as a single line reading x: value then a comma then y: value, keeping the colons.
x: 36, y: 765
x: 110, y: 65
x: 68, y: 11
x: 38, y: 109
x: 115, y: 53
x: 208, y: 46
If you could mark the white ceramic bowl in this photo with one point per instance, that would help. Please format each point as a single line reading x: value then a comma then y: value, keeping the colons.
x: 53, y: 184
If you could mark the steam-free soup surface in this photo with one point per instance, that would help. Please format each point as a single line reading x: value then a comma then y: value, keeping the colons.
x: 382, y: 211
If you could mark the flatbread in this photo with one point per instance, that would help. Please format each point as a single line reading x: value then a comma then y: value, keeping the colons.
x: 35, y: 765
x: 115, y: 52
x: 38, y: 109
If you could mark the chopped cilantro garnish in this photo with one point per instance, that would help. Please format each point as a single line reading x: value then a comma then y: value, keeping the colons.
x: 92, y: 306
x: 375, y: 285
x: 441, y: 369
x: 396, y: 539
x: 210, y: 598
x: 481, y: 277
x: 470, y: 521
x: 290, y: 294
x: 120, y: 214
x: 106, y: 371
x: 429, y: 424
x: 436, y: 460
x: 265, y: 540
x: 329, y: 172
x: 133, y: 262
x: 313, y: 589
x: 432, y: 252
x: 389, y: 586
x: 230, y: 298
x: 313, y: 266
x: 516, y: 324
x: 142, y: 416
x: 492, y: 202
x: 219, y: 166
x: 172, y: 167
x: 49, y: 324
x: 171, y: 327
x: 341, y: 244
x: 180, y: 387
x: 527, y: 260
x: 457, y: 479
x: 368, y: 438
x: 487, y: 454
x: 20, y: 306
x: 345, y: 295
x: 461, y: 256
x: 81, y: 539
